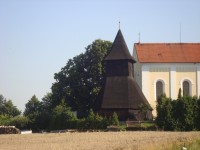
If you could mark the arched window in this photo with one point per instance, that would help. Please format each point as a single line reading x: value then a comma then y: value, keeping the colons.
x: 186, y: 88
x: 159, y: 89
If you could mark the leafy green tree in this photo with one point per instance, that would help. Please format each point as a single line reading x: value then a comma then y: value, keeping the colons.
x: 100, y: 122
x: 90, y: 120
x: 164, y: 117
x: 47, y: 102
x: 182, y: 114
x: 197, y: 119
x: 32, y: 112
x: 115, y: 120
x: 4, y: 120
x: 91, y: 116
x: 79, y: 82
x: 21, y: 122
x: 143, y: 110
x: 95, y: 121
x: 61, y: 117
x: 32, y: 106
x: 179, y: 93
x: 185, y: 112
x: 1, y: 100
x: 7, y: 107
x: 45, y: 111
x: 10, y: 109
x: 190, y: 108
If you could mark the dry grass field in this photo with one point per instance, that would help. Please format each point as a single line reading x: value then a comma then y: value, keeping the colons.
x: 150, y: 140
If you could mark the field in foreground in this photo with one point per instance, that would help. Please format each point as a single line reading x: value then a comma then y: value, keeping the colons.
x: 150, y: 140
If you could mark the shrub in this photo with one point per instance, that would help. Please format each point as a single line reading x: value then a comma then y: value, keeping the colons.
x: 20, y: 122
x: 182, y: 114
x: 61, y: 117
x: 114, y: 119
x: 4, y: 120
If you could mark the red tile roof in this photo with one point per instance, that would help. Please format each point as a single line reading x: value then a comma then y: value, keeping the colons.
x: 168, y: 52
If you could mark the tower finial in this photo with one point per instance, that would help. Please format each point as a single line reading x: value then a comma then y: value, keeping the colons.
x: 119, y: 24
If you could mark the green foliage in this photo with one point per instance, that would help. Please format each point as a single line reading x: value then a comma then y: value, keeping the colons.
x: 143, y: 110
x: 77, y: 86
x: 179, y: 93
x: 94, y: 121
x: 197, y: 120
x: 164, y: 113
x: 44, y: 116
x: 79, y: 82
x: 20, y: 122
x: 7, y: 107
x: 32, y: 112
x: 61, y: 117
x: 115, y: 119
x: 32, y: 106
x: 39, y: 112
x: 194, y: 145
x: 182, y: 114
x: 46, y: 102
x: 4, y: 120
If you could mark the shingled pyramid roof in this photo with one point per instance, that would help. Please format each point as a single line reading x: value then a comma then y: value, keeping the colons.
x: 119, y: 50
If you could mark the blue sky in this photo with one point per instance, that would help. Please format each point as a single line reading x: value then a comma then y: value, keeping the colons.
x: 37, y: 37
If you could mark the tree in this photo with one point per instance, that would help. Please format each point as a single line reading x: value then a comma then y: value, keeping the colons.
x: 47, y: 102
x: 79, y: 82
x: 179, y: 93
x: 32, y: 106
x: 1, y: 100
x: 7, y: 107
x: 32, y: 112
x: 143, y: 110
x: 164, y: 109
x: 61, y: 117
x: 19, y: 122
x: 182, y: 114
x: 197, y: 119
x: 44, y: 112
x: 115, y: 120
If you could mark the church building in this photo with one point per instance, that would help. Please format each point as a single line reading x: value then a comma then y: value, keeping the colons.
x: 165, y: 68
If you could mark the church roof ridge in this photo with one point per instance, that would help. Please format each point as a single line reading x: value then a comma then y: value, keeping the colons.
x: 168, y: 52
x: 167, y: 43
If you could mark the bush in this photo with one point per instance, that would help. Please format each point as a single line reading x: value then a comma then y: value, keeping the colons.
x: 114, y: 119
x: 61, y: 118
x: 4, y: 120
x: 19, y: 122
x: 164, y: 117
x: 95, y: 121
x: 182, y: 114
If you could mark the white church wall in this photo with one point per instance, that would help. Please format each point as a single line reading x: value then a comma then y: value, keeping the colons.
x: 173, y: 75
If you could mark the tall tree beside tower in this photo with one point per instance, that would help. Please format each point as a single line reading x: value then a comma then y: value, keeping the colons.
x: 79, y: 82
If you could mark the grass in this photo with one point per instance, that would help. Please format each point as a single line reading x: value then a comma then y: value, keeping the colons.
x: 138, y: 140
x: 194, y: 145
x: 148, y: 124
